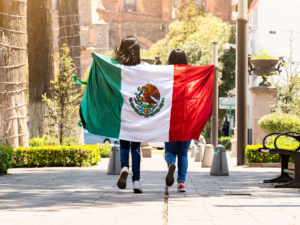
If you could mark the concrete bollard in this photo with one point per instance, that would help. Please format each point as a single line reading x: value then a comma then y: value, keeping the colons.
x: 208, y: 156
x: 114, y: 165
x: 194, y: 149
x: 199, y: 153
x: 146, y: 150
x: 219, y: 165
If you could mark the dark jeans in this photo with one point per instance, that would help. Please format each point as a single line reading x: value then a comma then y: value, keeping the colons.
x: 181, y: 150
x: 136, y: 157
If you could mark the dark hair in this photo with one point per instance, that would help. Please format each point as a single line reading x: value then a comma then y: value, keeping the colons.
x: 177, y: 56
x: 129, y: 52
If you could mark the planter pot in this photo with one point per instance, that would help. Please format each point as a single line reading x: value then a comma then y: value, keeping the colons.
x: 270, y: 165
x: 263, y: 68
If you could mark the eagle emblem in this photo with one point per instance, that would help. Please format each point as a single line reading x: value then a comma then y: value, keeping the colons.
x: 147, y: 101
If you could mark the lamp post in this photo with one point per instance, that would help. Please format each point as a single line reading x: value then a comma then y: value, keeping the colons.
x: 242, y: 80
x: 214, y: 120
x: 234, y: 140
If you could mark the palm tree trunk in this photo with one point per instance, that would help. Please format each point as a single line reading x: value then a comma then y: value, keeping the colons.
x: 13, y: 110
x: 69, y: 34
x: 41, y: 62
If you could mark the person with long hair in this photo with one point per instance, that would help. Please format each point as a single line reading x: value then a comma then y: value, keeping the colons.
x: 181, y: 148
x: 128, y: 54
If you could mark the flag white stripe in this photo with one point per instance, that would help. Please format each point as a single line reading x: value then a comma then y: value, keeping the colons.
x: 135, y: 127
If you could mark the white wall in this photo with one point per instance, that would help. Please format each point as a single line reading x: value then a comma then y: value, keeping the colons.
x: 281, y: 16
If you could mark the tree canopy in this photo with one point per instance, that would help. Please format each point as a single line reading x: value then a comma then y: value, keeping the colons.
x: 194, y: 31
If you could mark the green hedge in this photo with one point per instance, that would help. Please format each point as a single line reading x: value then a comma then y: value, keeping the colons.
x: 50, y: 141
x: 277, y: 122
x: 6, y: 158
x: 50, y: 156
x: 253, y: 156
x: 225, y: 141
x: 104, y: 150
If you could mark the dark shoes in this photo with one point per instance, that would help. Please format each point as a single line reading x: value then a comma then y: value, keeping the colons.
x: 170, y: 175
x: 123, y: 178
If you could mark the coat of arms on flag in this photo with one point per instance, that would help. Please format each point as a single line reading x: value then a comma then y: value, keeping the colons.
x: 147, y: 102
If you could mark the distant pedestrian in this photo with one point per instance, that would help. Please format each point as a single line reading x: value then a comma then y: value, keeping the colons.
x: 225, y: 129
x: 181, y: 148
x: 128, y: 54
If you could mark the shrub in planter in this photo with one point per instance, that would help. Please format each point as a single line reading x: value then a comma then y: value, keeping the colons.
x: 278, y: 122
x: 46, y: 156
x: 6, y: 158
x: 264, y: 63
x: 104, y: 150
x: 253, y: 156
x: 225, y: 141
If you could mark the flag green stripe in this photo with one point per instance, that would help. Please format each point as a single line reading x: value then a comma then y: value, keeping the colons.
x: 102, y: 103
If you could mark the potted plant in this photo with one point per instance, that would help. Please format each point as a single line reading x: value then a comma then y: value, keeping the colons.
x: 264, y: 63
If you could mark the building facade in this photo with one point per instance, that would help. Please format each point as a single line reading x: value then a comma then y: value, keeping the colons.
x: 273, y: 32
x: 103, y: 23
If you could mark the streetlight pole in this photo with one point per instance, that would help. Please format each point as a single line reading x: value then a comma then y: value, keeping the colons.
x: 214, y: 119
x: 242, y: 80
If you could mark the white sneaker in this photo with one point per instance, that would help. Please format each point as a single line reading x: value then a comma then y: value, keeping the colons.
x: 137, y: 188
x: 123, y: 178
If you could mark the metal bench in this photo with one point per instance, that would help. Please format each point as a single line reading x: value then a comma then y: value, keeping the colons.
x: 285, y: 155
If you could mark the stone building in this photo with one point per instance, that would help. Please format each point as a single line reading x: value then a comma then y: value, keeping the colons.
x: 103, y: 23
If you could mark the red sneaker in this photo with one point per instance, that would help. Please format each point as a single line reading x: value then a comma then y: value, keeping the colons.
x: 181, y: 187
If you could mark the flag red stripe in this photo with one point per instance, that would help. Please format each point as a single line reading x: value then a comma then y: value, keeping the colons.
x: 192, y: 101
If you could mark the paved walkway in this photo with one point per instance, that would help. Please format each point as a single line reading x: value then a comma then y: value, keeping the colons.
x: 71, y: 196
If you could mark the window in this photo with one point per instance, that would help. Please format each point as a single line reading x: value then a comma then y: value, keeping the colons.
x: 55, y: 4
x: 130, y: 5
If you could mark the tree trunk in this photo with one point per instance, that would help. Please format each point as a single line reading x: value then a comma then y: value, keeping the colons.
x: 41, y: 62
x: 69, y: 34
x: 13, y: 110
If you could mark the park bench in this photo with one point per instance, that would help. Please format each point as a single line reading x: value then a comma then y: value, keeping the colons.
x: 285, y: 155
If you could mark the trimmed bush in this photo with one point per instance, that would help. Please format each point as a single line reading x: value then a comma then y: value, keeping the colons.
x: 252, y: 154
x: 51, y: 156
x: 277, y: 122
x: 6, y: 158
x: 225, y: 141
x: 49, y: 141
x: 104, y: 150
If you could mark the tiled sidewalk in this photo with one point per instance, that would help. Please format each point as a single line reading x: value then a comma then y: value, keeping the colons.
x: 71, y: 196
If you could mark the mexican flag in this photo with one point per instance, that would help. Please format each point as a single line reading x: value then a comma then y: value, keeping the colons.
x: 147, y: 103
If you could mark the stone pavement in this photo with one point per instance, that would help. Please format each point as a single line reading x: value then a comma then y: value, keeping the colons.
x: 77, y: 196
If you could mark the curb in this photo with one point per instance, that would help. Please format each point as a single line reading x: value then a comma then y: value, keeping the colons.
x: 270, y: 165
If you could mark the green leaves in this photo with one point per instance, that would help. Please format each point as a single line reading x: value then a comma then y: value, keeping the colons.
x: 104, y: 150
x: 225, y: 141
x: 263, y: 54
x: 287, y: 86
x: 63, y: 106
x: 6, y: 158
x: 252, y: 154
x: 50, y: 156
x: 194, y: 31
x: 279, y: 122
